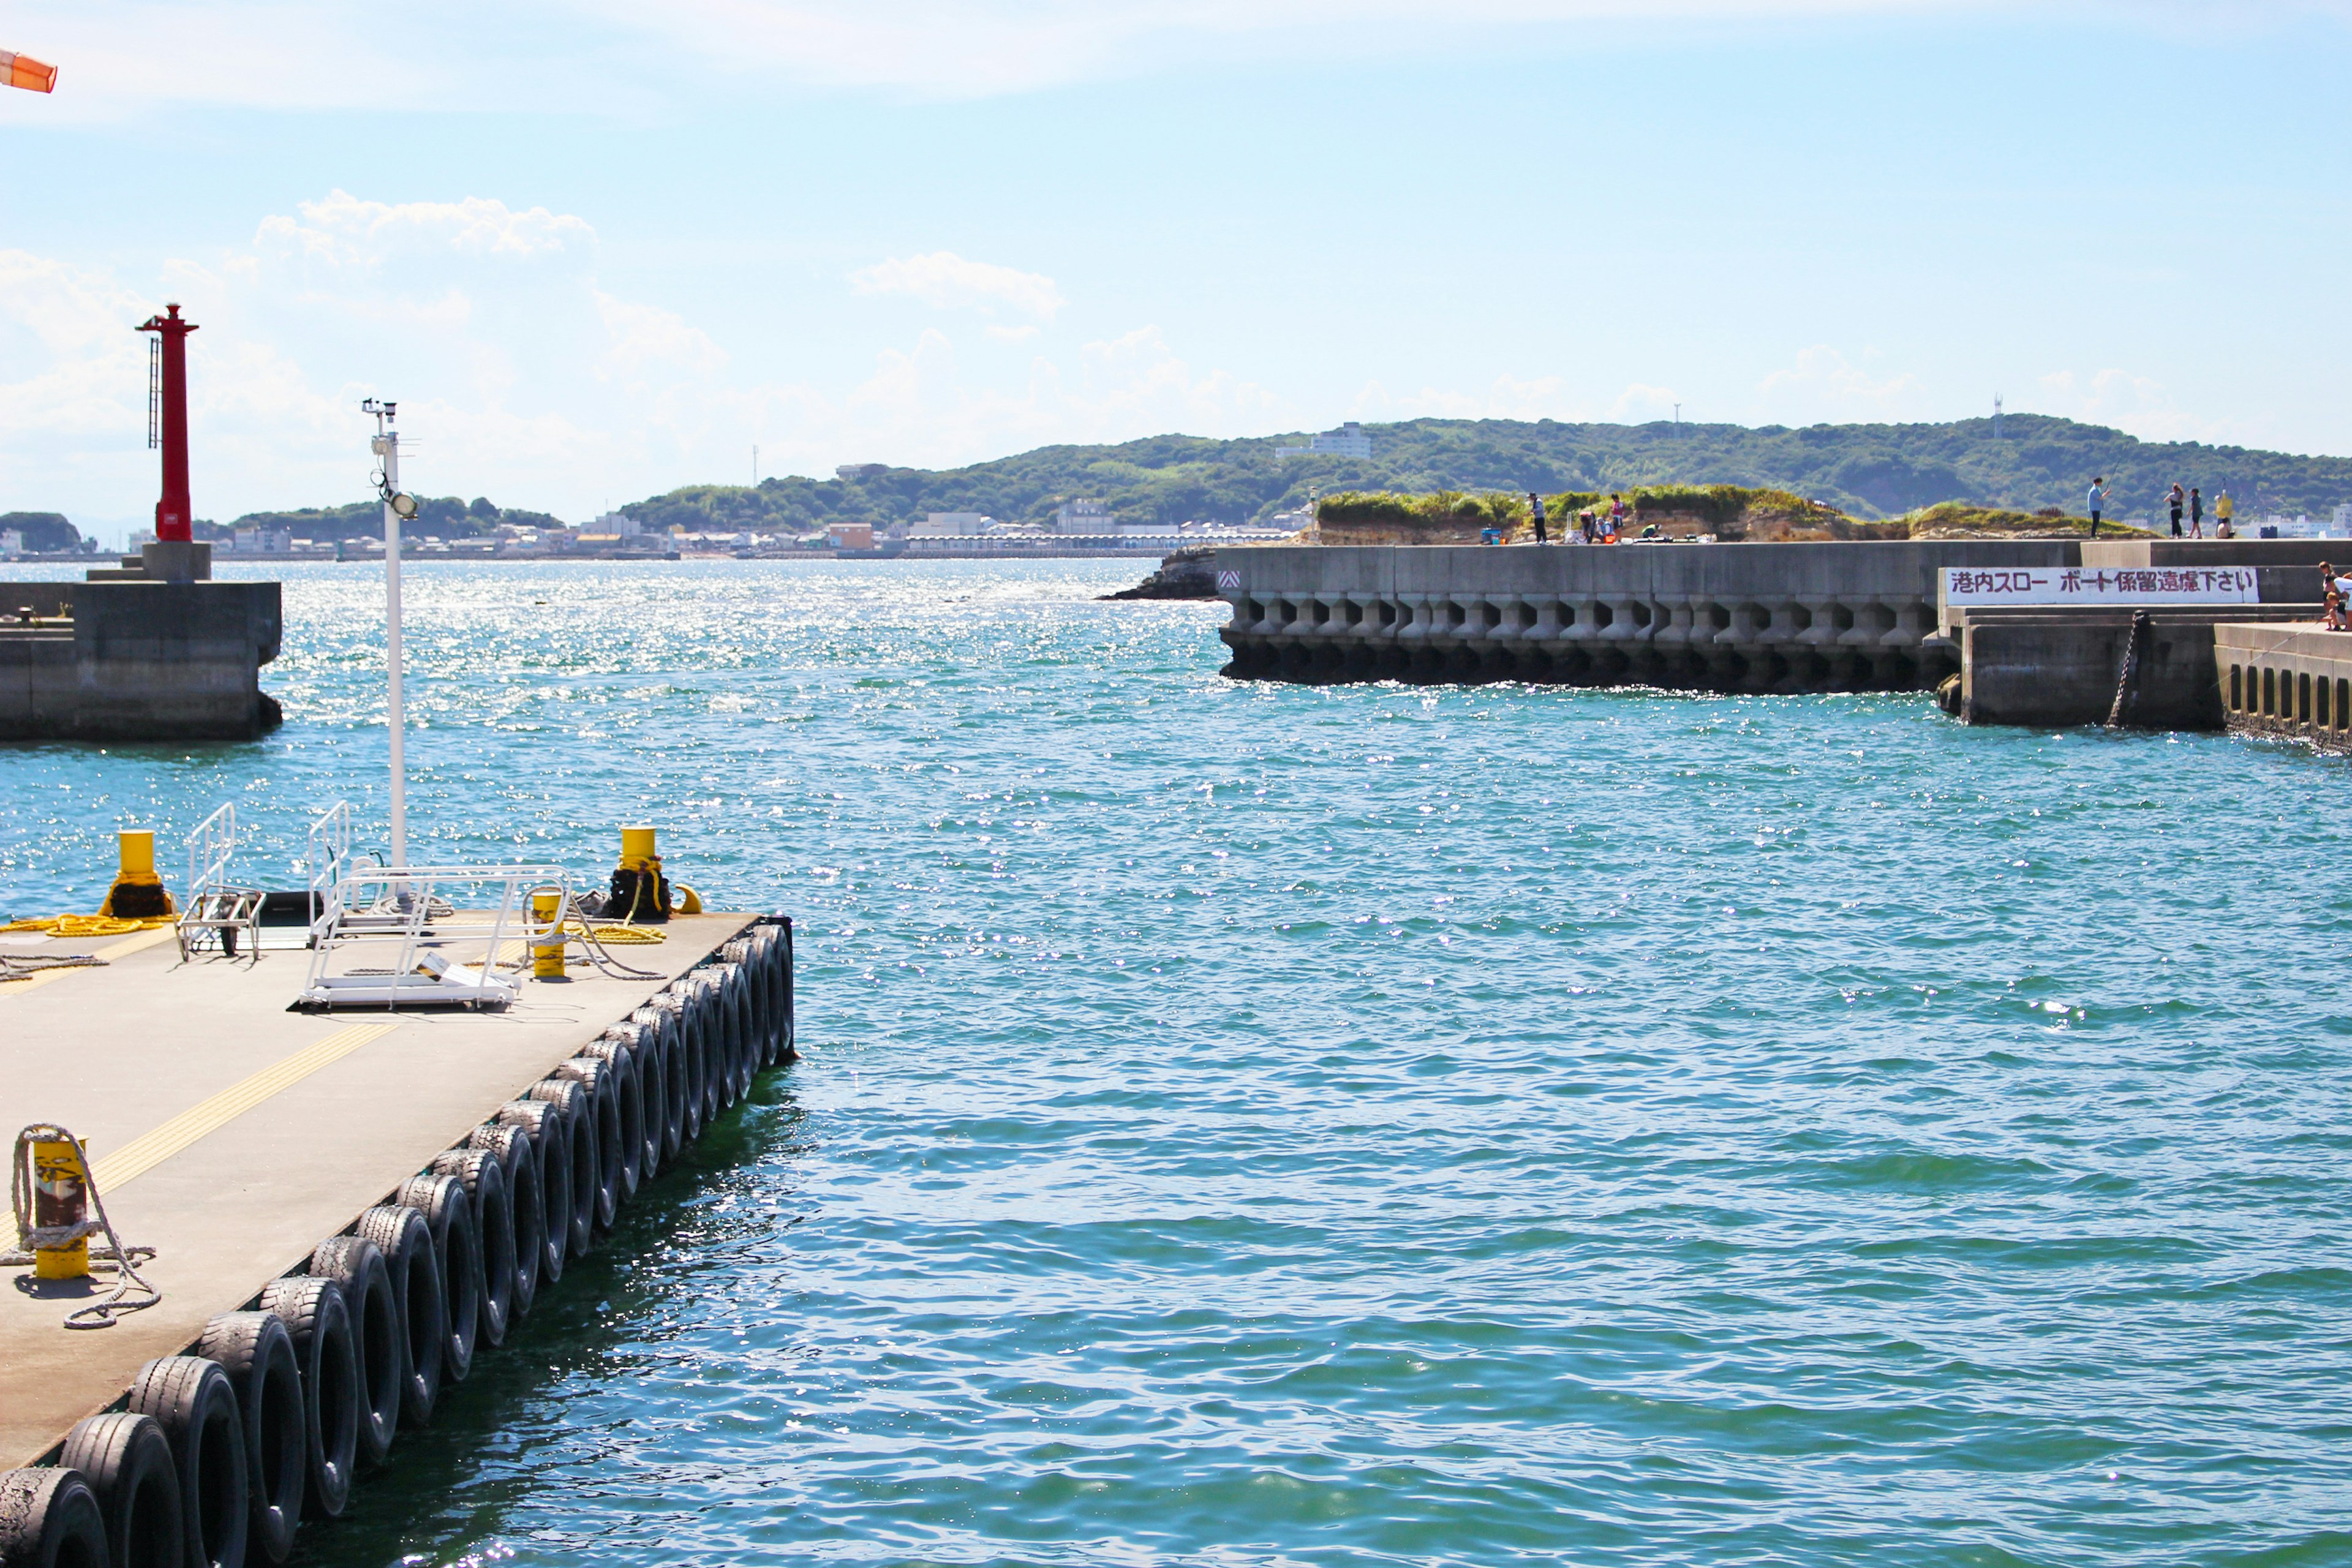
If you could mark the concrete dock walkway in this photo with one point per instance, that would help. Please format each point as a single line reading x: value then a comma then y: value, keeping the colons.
x: 233, y: 1135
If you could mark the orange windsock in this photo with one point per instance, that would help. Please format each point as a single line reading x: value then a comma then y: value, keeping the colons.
x: 24, y: 71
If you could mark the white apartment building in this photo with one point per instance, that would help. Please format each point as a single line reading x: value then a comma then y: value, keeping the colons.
x: 1083, y: 516
x: 1348, y: 441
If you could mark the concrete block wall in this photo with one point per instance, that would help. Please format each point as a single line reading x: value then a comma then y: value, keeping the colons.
x: 1750, y: 617
x: 2294, y: 682
x: 145, y: 660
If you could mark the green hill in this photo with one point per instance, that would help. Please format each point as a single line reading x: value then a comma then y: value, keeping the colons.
x: 1867, y: 471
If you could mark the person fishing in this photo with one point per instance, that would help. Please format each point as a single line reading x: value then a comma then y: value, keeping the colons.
x: 2224, y: 509
x: 1535, y: 506
x: 2176, y: 499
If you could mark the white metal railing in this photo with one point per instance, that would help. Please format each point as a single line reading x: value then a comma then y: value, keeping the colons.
x: 329, y: 852
x: 389, y: 936
x: 218, y: 910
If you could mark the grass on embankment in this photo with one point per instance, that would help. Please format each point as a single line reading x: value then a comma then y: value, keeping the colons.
x: 1730, y: 512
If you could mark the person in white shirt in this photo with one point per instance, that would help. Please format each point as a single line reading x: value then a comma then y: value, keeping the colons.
x: 2097, y: 502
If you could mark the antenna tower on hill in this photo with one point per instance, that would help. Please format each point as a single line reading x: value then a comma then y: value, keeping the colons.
x: 1996, y: 416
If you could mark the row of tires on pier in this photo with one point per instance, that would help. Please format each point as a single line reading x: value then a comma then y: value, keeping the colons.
x: 217, y: 1456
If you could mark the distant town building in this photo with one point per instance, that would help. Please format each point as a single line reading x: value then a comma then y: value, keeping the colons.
x: 1082, y: 516
x: 861, y: 470
x: 619, y: 524
x: 1348, y: 441
x: 850, y: 535
x: 12, y: 545
x: 2342, y: 521
x: 950, y: 523
x: 261, y: 541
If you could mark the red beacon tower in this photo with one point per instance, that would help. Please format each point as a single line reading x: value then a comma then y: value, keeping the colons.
x: 167, y: 421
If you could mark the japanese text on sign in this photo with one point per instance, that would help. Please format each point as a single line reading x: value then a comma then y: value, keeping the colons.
x: 2102, y: 586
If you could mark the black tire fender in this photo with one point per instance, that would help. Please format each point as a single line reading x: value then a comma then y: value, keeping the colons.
x: 510, y: 1146
x: 378, y: 1345
x: 49, y: 1518
x: 571, y: 1103
x: 312, y: 1310
x: 193, y: 1402
x: 601, y: 1082
x: 659, y: 1027
x: 550, y: 1144
x: 127, y: 1461
x: 484, y: 1177
x: 258, y: 1353
x: 406, y: 1243
x: 620, y: 1060
x: 448, y: 1211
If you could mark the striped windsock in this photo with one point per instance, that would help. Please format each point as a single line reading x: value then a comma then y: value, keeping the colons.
x: 24, y: 71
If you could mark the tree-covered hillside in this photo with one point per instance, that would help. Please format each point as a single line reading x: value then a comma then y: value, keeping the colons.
x: 1868, y: 470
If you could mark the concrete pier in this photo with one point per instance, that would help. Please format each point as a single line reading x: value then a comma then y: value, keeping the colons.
x: 2290, y: 682
x: 1726, y: 618
x: 1723, y: 618
x: 137, y: 659
x: 234, y: 1136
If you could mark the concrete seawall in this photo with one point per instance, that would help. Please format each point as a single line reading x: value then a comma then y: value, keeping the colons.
x: 1722, y: 617
x: 137, y: 661
x: 1732, y: 617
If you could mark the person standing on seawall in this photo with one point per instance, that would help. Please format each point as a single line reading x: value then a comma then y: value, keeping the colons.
x: 2196, y: 513
x: 2096, y: 503
x: 2224, y: 509
x: 2173, y: 499
x: 1535, y: 505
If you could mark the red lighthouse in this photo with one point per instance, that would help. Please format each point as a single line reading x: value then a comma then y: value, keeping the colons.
x: 167, y: 422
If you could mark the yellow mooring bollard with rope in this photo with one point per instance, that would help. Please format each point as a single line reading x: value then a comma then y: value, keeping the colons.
x: 53, y: 1197
x: 138, y: 893
x: 547, y: 913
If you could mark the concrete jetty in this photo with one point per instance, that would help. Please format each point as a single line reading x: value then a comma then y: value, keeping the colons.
x: 1798, y: 617
x: 2289, y: 682
x: 235, y: 1136
x: 149, y: 650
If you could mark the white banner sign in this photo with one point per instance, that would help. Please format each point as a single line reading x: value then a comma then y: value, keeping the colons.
x: 1968, y: 585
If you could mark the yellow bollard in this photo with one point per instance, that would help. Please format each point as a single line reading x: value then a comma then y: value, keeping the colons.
x: 547, y: 956
x: 640, y: 893
x: 60, y: 1196
x: 138, y: 894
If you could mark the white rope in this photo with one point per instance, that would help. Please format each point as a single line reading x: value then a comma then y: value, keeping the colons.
x: 31, y: 1236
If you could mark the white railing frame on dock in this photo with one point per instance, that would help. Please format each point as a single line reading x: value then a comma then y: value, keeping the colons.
x: 331, y: 851
x: 430, y: 935
x: 216, y: 905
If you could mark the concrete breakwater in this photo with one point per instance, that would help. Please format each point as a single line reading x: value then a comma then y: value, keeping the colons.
x: 1729, y: 617
x: 1790, y: 617
x: 143, y: 659
x: 345, y: 1214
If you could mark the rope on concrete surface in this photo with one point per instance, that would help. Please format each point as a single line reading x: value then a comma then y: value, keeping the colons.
x: 2124, y: 679
x: 101, y: 1314
x: 23, y: 967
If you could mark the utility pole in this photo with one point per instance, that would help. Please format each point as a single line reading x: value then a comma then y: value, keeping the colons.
x: 755, y: 465
x: 1996, y: 416
x: 397, y: 506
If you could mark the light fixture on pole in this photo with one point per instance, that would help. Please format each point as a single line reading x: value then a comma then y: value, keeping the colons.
x: 397, y: 506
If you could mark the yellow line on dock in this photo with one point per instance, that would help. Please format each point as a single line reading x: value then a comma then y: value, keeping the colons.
x: 149, y: 1150
x: 112, y: 950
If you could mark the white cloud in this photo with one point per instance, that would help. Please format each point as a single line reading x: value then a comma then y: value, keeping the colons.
x: 520, y: 375
x: 946, y: 281
x: 1823, y: 386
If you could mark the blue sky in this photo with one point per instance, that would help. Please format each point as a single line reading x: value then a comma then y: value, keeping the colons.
x: 596, y: 250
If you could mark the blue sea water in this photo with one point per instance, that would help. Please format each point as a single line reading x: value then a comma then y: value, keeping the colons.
x: 1254, y: 1124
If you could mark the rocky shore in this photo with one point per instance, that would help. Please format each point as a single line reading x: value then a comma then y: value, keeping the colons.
x: 1188, y: 573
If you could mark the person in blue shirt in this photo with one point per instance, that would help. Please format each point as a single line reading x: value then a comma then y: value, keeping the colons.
x: 2097, y: 502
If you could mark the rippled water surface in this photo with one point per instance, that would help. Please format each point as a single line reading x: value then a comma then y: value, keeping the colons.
x: 1367, y: 1125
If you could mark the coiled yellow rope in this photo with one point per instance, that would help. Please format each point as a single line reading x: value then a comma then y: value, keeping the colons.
x: 89, y: 925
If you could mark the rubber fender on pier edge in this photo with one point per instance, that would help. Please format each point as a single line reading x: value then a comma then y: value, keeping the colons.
x: 258, y: 1353
x: 552, y: 1151
x: 601, y: 1082
x: 571, y: 1104
x: 448, y: 1211
x: 127, y: 1460
x: 510, y: 1146
x: 194, y: 1403
x: 406, y: 1243
x: 354, y: 1263
x: 312, y: 1310
x: 49, y: 1518
x: 484, y: 1177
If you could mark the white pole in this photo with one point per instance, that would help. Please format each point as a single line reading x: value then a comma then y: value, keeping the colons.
x: 395, y: 715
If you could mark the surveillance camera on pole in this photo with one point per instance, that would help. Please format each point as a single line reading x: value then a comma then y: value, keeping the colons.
x: 397, y: 506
